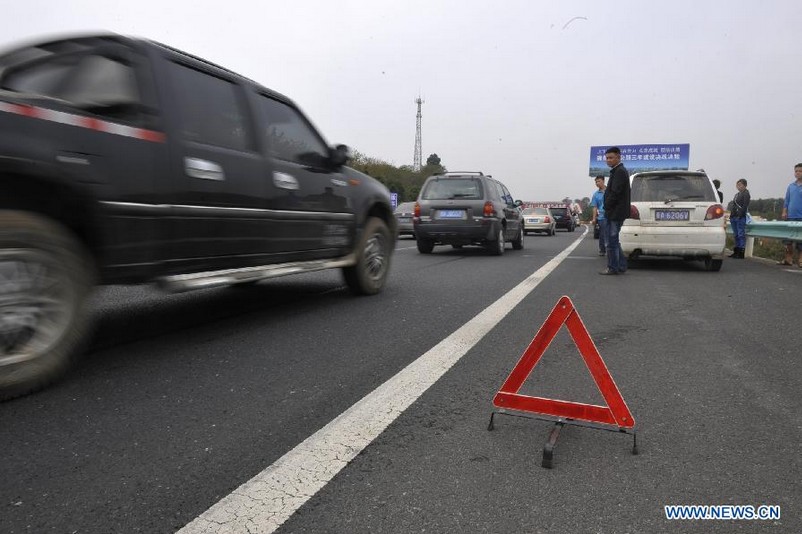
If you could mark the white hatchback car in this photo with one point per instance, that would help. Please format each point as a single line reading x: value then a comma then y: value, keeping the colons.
x: 675, y: 213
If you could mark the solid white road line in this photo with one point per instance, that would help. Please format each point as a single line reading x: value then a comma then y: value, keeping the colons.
x: 267, y: 500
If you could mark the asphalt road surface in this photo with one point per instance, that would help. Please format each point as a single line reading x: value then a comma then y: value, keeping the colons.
x: 181, y: 400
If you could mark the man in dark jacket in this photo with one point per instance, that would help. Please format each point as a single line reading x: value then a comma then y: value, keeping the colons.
x: 738, y: 211
x: 616, y: 209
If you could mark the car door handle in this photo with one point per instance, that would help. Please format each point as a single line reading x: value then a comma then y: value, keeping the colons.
x: 282, y: 180
x: 203, y: 169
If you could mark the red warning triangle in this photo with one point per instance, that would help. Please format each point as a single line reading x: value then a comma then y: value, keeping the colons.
x: 615, y: 413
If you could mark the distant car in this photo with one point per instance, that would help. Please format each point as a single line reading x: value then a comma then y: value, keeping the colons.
x: 564, y: 218
x: 467, y: 208
x: 403, y: 217
x: 539, y: 220
x: 675, y: 213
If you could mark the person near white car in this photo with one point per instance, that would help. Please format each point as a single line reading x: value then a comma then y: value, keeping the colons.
x: 597, y: 203
x: 616, y: 210
x: 738, y: 209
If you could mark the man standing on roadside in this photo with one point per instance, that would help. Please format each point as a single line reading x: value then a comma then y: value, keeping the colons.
x: 740, y: 208
x: 792, y: 211
x: 597, y: 203
x: 616, y: 209
x: 717, y: 185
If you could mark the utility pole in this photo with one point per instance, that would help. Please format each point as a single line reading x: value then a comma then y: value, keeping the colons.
x: 416, y: 162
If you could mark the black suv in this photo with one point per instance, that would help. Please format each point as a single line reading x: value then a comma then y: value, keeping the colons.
x: 123, y: 160
x: 564, y: 218
x: 459, y: 208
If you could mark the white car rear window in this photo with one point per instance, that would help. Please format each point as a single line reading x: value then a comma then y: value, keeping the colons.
x: 673, y: 187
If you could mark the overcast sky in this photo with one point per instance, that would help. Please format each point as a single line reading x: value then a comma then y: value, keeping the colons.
x: 518, y: 89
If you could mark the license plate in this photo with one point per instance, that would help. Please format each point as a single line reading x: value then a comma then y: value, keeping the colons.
x: 451, y: 214
x: 532, y: 221
x: 672, y: 215
x: 404, y: 219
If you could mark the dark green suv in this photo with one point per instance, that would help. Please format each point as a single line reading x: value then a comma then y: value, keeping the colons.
x: 467, y: 208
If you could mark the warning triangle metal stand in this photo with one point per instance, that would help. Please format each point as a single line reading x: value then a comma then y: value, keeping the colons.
x: 615, y: 417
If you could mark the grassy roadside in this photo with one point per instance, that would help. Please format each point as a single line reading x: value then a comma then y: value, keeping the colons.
x: 765, y: 247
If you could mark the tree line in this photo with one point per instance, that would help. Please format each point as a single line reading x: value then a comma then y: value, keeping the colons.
x: 768, y: 208
x: 407, y: 182
x: 403, y: 180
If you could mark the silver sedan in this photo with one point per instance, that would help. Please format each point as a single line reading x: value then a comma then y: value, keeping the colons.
x: 539, y: 220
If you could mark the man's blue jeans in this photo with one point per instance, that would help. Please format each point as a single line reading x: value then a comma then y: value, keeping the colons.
x: 739, y: 231
x: 602, y: 235
x: 616, y: 261
x: 797, y: 243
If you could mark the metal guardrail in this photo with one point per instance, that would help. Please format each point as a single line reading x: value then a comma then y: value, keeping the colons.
x: 775, y: 229
x: 791, y: 230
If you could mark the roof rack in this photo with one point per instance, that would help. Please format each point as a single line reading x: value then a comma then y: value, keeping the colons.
x: 458, y: 173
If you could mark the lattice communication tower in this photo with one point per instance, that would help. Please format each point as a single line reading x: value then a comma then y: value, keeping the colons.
x: 416, y: 162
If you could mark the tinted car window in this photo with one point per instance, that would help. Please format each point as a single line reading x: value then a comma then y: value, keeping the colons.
x: 210, y: 109
x: 100, y: 80
x: 672, y: 187
x: 87, y: 81
x: 452, y: 188
x: 499, y: 191
x: 506, y: 196
x: 40, y: 78
x: 289, y: 136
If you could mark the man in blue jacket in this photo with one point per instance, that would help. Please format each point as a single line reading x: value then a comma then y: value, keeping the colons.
x: 597, y: 203
x: 616, y: 209
x: 792, y: 211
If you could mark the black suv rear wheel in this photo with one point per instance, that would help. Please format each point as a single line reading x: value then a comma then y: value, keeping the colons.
x: 45, y: 281
x: 368, y: 275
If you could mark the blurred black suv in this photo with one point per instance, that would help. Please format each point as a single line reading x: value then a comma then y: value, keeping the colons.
x: 467, y: 208
x: 126, y: 161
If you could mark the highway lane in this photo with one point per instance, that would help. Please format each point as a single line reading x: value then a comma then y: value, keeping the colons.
x: 182, y: 398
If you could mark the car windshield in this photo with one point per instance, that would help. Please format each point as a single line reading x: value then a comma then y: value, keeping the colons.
x: 672, y: 187
x: 453, y: 188
x: 535, y: 211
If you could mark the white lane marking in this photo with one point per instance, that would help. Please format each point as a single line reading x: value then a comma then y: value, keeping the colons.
x: 267, y: 500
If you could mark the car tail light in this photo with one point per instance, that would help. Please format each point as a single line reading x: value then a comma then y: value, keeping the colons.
x: 633, y: 212
x: 714, y: 212
x: 546, y: 219
x: 488, y: 210
x: 417, y: 210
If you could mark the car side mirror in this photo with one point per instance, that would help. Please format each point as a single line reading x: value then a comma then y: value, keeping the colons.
x: 339, y: 156
x: 518, y: 203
